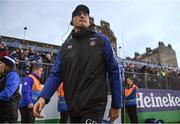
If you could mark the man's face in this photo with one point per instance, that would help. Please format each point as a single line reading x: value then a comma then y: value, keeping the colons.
x: 48, y: 56
x: 81, y: 20
x: 1, y: 46
x: 26, y: 52
x: 2, y: 66
x: 38, y: 72
x: 129, y: 81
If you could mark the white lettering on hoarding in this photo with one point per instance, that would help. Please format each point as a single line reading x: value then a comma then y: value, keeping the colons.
x: 147, y: 101
x: 139, y: 100
x: 158, y: 101
x: 165, y: 101
x: 177, y: 101
x: 171, y: 101
x: 153, y: 101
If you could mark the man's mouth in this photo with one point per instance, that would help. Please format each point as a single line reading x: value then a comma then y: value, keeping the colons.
x: 82, y: 21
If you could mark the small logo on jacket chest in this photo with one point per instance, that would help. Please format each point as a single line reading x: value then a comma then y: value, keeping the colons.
x: 69, y: 47
x: 92, y: 43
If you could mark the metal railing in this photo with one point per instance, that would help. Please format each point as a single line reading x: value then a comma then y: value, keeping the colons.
x: 25, y: 67
x: 142, y: 80
x: 147, y: 64
x: 154, y: 81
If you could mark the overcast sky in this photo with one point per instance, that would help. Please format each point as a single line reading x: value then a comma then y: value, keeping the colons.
x: 137, y: 24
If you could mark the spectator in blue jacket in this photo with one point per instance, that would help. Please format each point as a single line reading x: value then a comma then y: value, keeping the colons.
x: 130, y: 100
x: 9, y: 95
x: 31, y: 88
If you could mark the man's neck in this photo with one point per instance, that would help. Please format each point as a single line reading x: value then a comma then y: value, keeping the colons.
x: 33, y: 73
x: 76, y: 29
x: 130, y: 85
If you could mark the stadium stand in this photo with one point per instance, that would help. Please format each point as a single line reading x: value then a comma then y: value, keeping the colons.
x: 146, y: 75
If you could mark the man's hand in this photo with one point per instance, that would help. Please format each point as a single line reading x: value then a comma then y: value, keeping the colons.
x: 30, y: 105
x: 113, y: 114
x: 38, y: 107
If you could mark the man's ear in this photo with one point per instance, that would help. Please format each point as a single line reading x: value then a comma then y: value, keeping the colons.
x: 89, y: 22
x: 71, y: 23
x: 6, y: 68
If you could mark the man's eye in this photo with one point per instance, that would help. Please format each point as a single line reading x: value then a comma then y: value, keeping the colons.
x: 79, y: 14
x: 85, y: 14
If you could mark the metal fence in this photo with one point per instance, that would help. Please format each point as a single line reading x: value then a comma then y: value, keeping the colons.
x: 142, y: 80
x: 154, y: 81
x: 25, y: 67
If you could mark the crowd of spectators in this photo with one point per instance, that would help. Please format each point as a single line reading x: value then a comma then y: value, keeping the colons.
x: 152, y: 76
x: 137, y: 67
x: 31, y: 55
x: 21, y: 50
x: 25, y: 57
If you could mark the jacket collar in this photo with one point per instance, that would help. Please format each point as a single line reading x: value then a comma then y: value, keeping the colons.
x: 82, y: 33
x: 35, y: 76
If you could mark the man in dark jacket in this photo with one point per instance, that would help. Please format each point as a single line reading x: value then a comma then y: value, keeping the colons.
x: 82, y: 64
x: 9, y: 95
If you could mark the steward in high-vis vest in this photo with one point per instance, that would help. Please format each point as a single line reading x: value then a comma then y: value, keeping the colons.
x: 62, y: 106
x: 130, y: 100
x: 31, y: 88
x: 9, y: 95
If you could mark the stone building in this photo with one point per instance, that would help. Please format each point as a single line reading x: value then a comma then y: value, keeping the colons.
x: 165, y: 55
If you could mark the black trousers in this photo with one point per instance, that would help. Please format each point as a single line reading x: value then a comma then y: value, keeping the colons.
x: 8, y: 113
x: 132, y: 113
x: 90, y: 115
x: 64, y: 117
x: 27, y: 115
x: 89, y: 118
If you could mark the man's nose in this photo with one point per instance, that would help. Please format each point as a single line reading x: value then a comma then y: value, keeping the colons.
x: 82, y: 15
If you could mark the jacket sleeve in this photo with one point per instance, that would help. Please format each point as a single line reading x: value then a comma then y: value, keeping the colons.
x: 27, y: 90
x: 12, y: 83
x: 53, y: 80
x: 114, y: 73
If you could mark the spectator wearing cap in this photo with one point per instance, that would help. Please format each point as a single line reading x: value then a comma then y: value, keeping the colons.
x: 9, y: 95
x: 3, y: 49
x: 31, y: 88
